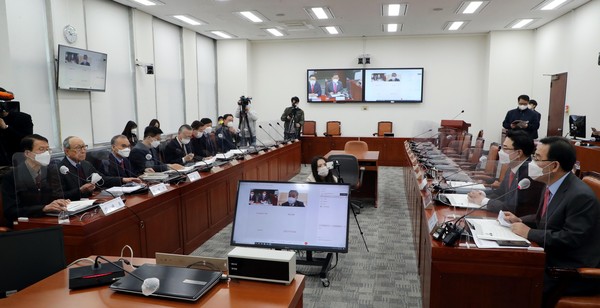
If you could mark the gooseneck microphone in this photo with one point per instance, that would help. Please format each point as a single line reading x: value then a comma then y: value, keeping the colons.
x: 149, y: 285
x: 461, y: 112
x: 277, y: 130
x: 423, y: 133
x: 268, y: 134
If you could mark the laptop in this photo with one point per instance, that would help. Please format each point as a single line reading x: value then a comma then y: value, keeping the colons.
x: 179, y: 283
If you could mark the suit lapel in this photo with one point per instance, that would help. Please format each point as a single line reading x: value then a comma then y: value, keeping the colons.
x: 560, y: 195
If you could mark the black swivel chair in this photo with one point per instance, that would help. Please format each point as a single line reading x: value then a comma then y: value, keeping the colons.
x: 350, y: 173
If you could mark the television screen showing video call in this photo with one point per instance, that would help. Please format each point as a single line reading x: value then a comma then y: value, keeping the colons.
x: 285, y: 215
x: 80, y: 69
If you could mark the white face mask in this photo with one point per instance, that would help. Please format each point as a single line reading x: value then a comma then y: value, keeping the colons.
x: 291, y: 200
x: 312, y: 82
x: 503, y: 157
x: 208, y: 130
x: 185, y: 140
x: 155, y: 143
x: 323, y: 171
x: 522, y: 107
x: 199, y: 134
x: 43, y: 158
x: 335, y: 80
x: 230, y: 124
x: 535, y: 171
x: 95, y: 178
x: 124, y: 152
x: 133, y: 131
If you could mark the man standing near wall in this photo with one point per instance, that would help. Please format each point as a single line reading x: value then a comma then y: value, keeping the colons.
x: 293, y: 118
x: 522, y: 118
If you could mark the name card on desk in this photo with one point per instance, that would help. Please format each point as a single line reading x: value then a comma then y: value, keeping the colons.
x: 289, y: 142
x: 234, y: 162
x: 216, y: 169
x: 261, y: 152
x: 247, y: 156
x: 194, y: 176
x: 432, y: 221
x: 280, y: 146
x: 272, y: 148
x: 112, y: 206
x: 158, y: 189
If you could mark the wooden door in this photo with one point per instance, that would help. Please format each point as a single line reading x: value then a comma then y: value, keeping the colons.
x: 556, y: 108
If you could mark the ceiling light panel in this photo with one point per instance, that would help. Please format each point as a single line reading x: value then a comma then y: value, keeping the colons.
x: 148, y: 2
x: 391, y: 28
x: 471, y: 7
x: 333, y: 30
x: 455, y: 25
x: 319, y: 13
x: 252, y: 16
x: 549, y: 5
x: 394, y: 9
x: 190, y: 20
x: 520, y: 23
x: 274, y: 32
x: 222, y: 34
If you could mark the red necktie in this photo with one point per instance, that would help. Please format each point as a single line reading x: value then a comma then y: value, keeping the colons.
x: 511, y: 177
x: 334, y: 87
x: 547, y: 195
x: 312, y: 88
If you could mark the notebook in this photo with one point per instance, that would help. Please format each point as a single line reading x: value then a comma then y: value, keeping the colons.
x: 175, y: 282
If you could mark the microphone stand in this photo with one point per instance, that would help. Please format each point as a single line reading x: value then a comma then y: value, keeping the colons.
x: 277, y: 131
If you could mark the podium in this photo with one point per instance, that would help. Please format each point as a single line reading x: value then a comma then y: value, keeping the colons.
x: 455, y: 128
x: 456, y: 125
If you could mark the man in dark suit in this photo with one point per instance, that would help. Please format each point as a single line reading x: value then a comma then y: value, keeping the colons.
x: 179, y: 149
x: 79, y: 181
x: 293, y: 199
x: 226, y: 134
x: 14, y: 125
x: 523, y: 118
x: 567, y: 223
x: 532, y: 105
x: 334, y: 86
x: 314, y: 88
x: 203, y: 143
x: 144, y: 156
x: 118, y: 164
x: 516, y: 152
x: 33, y: 187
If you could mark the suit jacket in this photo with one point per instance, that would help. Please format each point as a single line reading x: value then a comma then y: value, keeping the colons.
x: 315, y: 89
x: 519, y: 202
x: 19, y: 126
x: 112, y: 167
x: 523, y: 115
x: 71, y: 182
x: 226, y: 142
x: 296, y: 204
x: 329, y: 87
x: 297, y: 116
x: 139, y: 162
x: 204, y: 146
x: 174, y: 152
x: 21, y: 196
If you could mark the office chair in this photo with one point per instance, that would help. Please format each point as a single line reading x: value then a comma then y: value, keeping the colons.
x: 383, y: 127
x: 356, y: 146
x: 309, y: 128
x: 351, y: 174
x: 333, y: 128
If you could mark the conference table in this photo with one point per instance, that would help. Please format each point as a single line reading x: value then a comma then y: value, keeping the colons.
x: 391, y: 149
x: 54, y: 292
x: 464, y: 275
x: 369, y: 162
x: 176, y: 221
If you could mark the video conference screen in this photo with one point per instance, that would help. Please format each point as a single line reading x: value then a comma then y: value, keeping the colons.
x: 332, y: 85
x: 80, y: 69
x: 394, y: 85
x: 284, y: 215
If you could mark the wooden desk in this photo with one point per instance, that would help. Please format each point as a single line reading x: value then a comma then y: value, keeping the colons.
x: 589, y: 158
x: 177, y: 221
x: 370, y: 161
x: 391, y: 150
x: 54, y: 292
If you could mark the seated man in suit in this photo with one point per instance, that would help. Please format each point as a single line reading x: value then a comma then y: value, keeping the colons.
x: 335, y: 86
x: 516, y: 152
x: 226, y: 134
x: 78, y: 182
x: 32, y: 188
x: 293, y: 199
x: 314, y: 88
x: 567, y: 223
x: 144, y: 156
x: 179, y: 149
x: 203, y: 144
x: 118, y: 163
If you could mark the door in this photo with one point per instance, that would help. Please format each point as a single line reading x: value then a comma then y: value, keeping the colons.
x: 556, y: 108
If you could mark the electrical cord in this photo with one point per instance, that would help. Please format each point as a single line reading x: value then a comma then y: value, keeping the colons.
x: 130, y: 262
x: 79, y: 260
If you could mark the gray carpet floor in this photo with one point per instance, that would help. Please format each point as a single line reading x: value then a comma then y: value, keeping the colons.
x: 384, y: 277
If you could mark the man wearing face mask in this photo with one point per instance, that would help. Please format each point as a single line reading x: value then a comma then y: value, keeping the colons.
x: 532, y: 105
x: 118, y: 164
x: 522, y: 118
x: 567, y: 222
x: 293, y: 200
x: 335, y: 86
x: 179, y: 149
x: 314, y: 88
x: 516, y: 152
x: 247, y: 126
x: 144, y: 155
x: 293, y: 118
x: 32, y: 188
x: 226, y: 134
x: 203, y: 144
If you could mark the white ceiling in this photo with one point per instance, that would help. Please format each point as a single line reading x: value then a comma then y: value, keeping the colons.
x: 357, y: 18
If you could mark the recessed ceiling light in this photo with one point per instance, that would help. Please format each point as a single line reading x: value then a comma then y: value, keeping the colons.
x: 148, y: 2
x: 222, y: 34
x: 550, y: 5
x: 392, y: 27
x: 274, y: 32
x: 455, y: 25
x: 471, y: 7
x: 253, y: 16
x: 319, y: 12
x: 332, y: 30
x: 520, y: 23
x: 394, y: 9
x: 189, y: 20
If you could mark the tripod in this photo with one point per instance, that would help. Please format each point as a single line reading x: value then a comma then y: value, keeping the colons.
x: 244, y: 121
x: 291, y: 128
x: 341, y: 180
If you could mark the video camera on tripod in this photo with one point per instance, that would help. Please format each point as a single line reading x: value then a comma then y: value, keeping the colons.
x: 243, y: 102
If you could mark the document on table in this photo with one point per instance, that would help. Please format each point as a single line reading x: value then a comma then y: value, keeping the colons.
x: 486, y: 233
x: 461, y: 200
x: 470, y: 185
x: 124, y: 189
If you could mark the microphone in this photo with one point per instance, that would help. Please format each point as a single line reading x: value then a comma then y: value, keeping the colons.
x: 268, y: 134
x: 149, y: 285
x: 423, y: 133
x: 277, y: 130
x: 461, y: 112
x: 65, y: 170
x: 266, y: 147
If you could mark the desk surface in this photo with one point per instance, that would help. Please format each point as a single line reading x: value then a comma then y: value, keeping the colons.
x: 54, y: 291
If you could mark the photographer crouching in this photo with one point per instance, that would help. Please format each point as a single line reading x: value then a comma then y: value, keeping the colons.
x: 247, y: 125
x: 293, y: 118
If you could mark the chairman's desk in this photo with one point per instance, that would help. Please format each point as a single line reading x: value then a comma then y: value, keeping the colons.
x: 177, y: 221
x: 54, y: 292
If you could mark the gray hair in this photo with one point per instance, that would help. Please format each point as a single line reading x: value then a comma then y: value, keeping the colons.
x: 67, y: 142
x: 113, y: 140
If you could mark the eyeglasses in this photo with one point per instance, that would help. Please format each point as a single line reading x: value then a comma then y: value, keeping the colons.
x: 538, y: 159
x: 80, y: 147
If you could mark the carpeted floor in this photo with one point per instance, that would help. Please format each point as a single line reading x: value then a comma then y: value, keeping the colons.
x: 384, y: 277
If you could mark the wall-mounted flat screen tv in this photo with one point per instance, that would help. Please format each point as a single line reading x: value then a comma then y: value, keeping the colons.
x: 394, y: 85
x: 299, y: 216
x: 334, y: 85
x: 81, y: 69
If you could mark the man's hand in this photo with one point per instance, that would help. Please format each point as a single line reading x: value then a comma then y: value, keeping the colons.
x: 129, y: 180
x: 57, y: 205
x: 3, y: 124
x: 87, y: 187
x: 288, y: 117
x: 520, y: 229
x: 149, y: 170
x: 297, y: 125
x: 512, y: 218
x: 189, y: 157
x: 176, y: 166
x: 476, y: 196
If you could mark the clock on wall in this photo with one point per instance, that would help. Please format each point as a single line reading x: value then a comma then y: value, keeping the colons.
x: 70, y: 34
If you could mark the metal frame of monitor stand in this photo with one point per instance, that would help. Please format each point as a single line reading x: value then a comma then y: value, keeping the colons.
x: 322, y: 262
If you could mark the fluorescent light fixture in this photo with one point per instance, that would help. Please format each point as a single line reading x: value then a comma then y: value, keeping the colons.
x: 392, y: 27
x: 549, y: 5
x: 455, y: 25
x: 274, y: 32
x: 252, y: 16
x: 333, y: 30
x: 222, y: 34
x: 148, y: 2
x: 471, y: 7
x: 520, y: 23
x: 189, y: 20
x: 319, y: 12
x: 394, y: 9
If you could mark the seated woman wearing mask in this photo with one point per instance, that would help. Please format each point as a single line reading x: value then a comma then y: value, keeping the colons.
x: 320, y: 171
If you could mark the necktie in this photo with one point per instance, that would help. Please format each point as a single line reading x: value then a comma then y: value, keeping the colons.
x: 80, y: 171
x: 547, y: 196
x: 334, y: 87
x: 38, y: 180
x: 511, y: 177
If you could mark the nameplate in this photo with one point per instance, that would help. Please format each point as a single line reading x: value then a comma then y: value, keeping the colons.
x: 247, y: 156
x: 427, y: 199
x: 261, y: 152
x: 234, y: 162
x: 280, y: 146
x: 194, y: 176
x: 112, y: 206
x: 216, y: 169
x: 296, y: 140
x: 432, y: 221
x: 158, y: 189
x: 289, y: 142
x: 272, y: 148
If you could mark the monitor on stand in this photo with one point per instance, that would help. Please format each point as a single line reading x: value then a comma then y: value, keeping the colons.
x: 577, y: 126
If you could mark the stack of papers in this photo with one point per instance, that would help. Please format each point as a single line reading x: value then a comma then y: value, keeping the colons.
x: 119, y: 190
x: 154, y: 176
x: 487, y: 233
x: 227, y: 155
x: 470, y: 185
x: 460, y: 200
x: 78, y: 205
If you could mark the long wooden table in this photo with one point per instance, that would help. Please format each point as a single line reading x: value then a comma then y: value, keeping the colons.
x: 54, y: 292
x: 391, y: 149
x: 177, y: 221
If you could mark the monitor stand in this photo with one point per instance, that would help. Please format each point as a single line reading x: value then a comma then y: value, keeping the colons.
x: 322, y: 262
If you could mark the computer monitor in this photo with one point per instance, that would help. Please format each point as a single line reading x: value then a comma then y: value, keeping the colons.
x: 29, y: 256
x: 577, y: 126
x: 315, y: 219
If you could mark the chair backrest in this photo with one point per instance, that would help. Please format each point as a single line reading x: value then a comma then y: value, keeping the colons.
x: 356, y: 146
x: 384, y: 127
x: 593, y: 180
x: 349, y: 169
x: 466, y: 144
x: 333, y: 128
x: 492, y: 159
x: 309, y: 128
x: 477, y: 151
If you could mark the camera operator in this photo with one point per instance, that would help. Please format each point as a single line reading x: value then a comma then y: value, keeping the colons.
x: 293, y: 118
x: 247, y: 125
x: 14, y: 126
